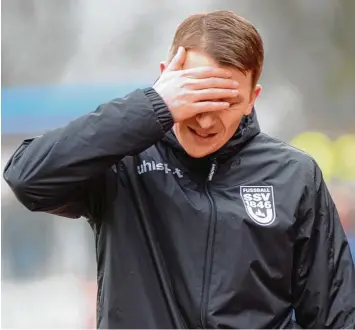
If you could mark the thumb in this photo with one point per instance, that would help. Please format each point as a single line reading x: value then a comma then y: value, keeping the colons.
x: 178, y: 60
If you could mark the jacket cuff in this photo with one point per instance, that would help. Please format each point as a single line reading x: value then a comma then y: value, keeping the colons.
x: 160, y: 108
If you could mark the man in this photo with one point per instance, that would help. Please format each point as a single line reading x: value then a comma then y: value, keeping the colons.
x: 201, y: 221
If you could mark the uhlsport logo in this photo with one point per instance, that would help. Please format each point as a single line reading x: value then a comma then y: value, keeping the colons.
x: 259, y: 203
x: 149, y: 166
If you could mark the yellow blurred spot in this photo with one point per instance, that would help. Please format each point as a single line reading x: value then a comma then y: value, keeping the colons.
x: 344, y: 152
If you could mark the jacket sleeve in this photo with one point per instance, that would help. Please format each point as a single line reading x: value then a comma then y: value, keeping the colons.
x: 323, y: 287
x: 60, y: 171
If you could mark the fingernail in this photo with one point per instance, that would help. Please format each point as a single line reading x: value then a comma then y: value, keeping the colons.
x: 235, y: 83
x: 235, y: 92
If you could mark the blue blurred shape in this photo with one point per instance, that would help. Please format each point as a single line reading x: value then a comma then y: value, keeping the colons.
x: 352, y: 246
x: 39, y: 108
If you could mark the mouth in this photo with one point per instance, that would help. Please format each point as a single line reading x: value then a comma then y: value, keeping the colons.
x: 205, y: 136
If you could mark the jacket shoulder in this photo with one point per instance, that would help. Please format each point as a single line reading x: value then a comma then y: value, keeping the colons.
x: 286, y: 153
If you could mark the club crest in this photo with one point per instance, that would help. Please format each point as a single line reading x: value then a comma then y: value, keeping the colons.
x: 259, y: 203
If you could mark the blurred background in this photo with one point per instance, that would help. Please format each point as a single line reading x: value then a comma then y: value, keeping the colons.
x: 60, y: 59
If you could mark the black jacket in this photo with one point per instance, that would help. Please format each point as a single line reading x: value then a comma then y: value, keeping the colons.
x: 239, y: 239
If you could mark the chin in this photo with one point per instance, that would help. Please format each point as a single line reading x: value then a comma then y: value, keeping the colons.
x: 196, y: 150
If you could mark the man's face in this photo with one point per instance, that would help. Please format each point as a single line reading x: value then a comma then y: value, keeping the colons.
x: 207, y: 132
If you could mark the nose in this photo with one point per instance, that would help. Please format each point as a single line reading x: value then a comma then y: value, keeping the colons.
x: 206, y: 120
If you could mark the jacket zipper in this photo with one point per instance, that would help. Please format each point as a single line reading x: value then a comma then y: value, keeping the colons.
x: 209, y: 249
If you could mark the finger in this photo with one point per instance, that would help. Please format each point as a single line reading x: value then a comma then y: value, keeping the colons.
x: 206, y: 83
x: 207, y: 72
x: 178, y: 60
x: 209, y: 106
x: 213, y: 94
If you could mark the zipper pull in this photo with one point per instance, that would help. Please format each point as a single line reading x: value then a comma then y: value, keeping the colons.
x: 213, y: 170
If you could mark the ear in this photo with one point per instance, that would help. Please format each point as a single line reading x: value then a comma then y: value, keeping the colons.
x: 254, y: 95
x: 257, y: 91
x: 163, y: 66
